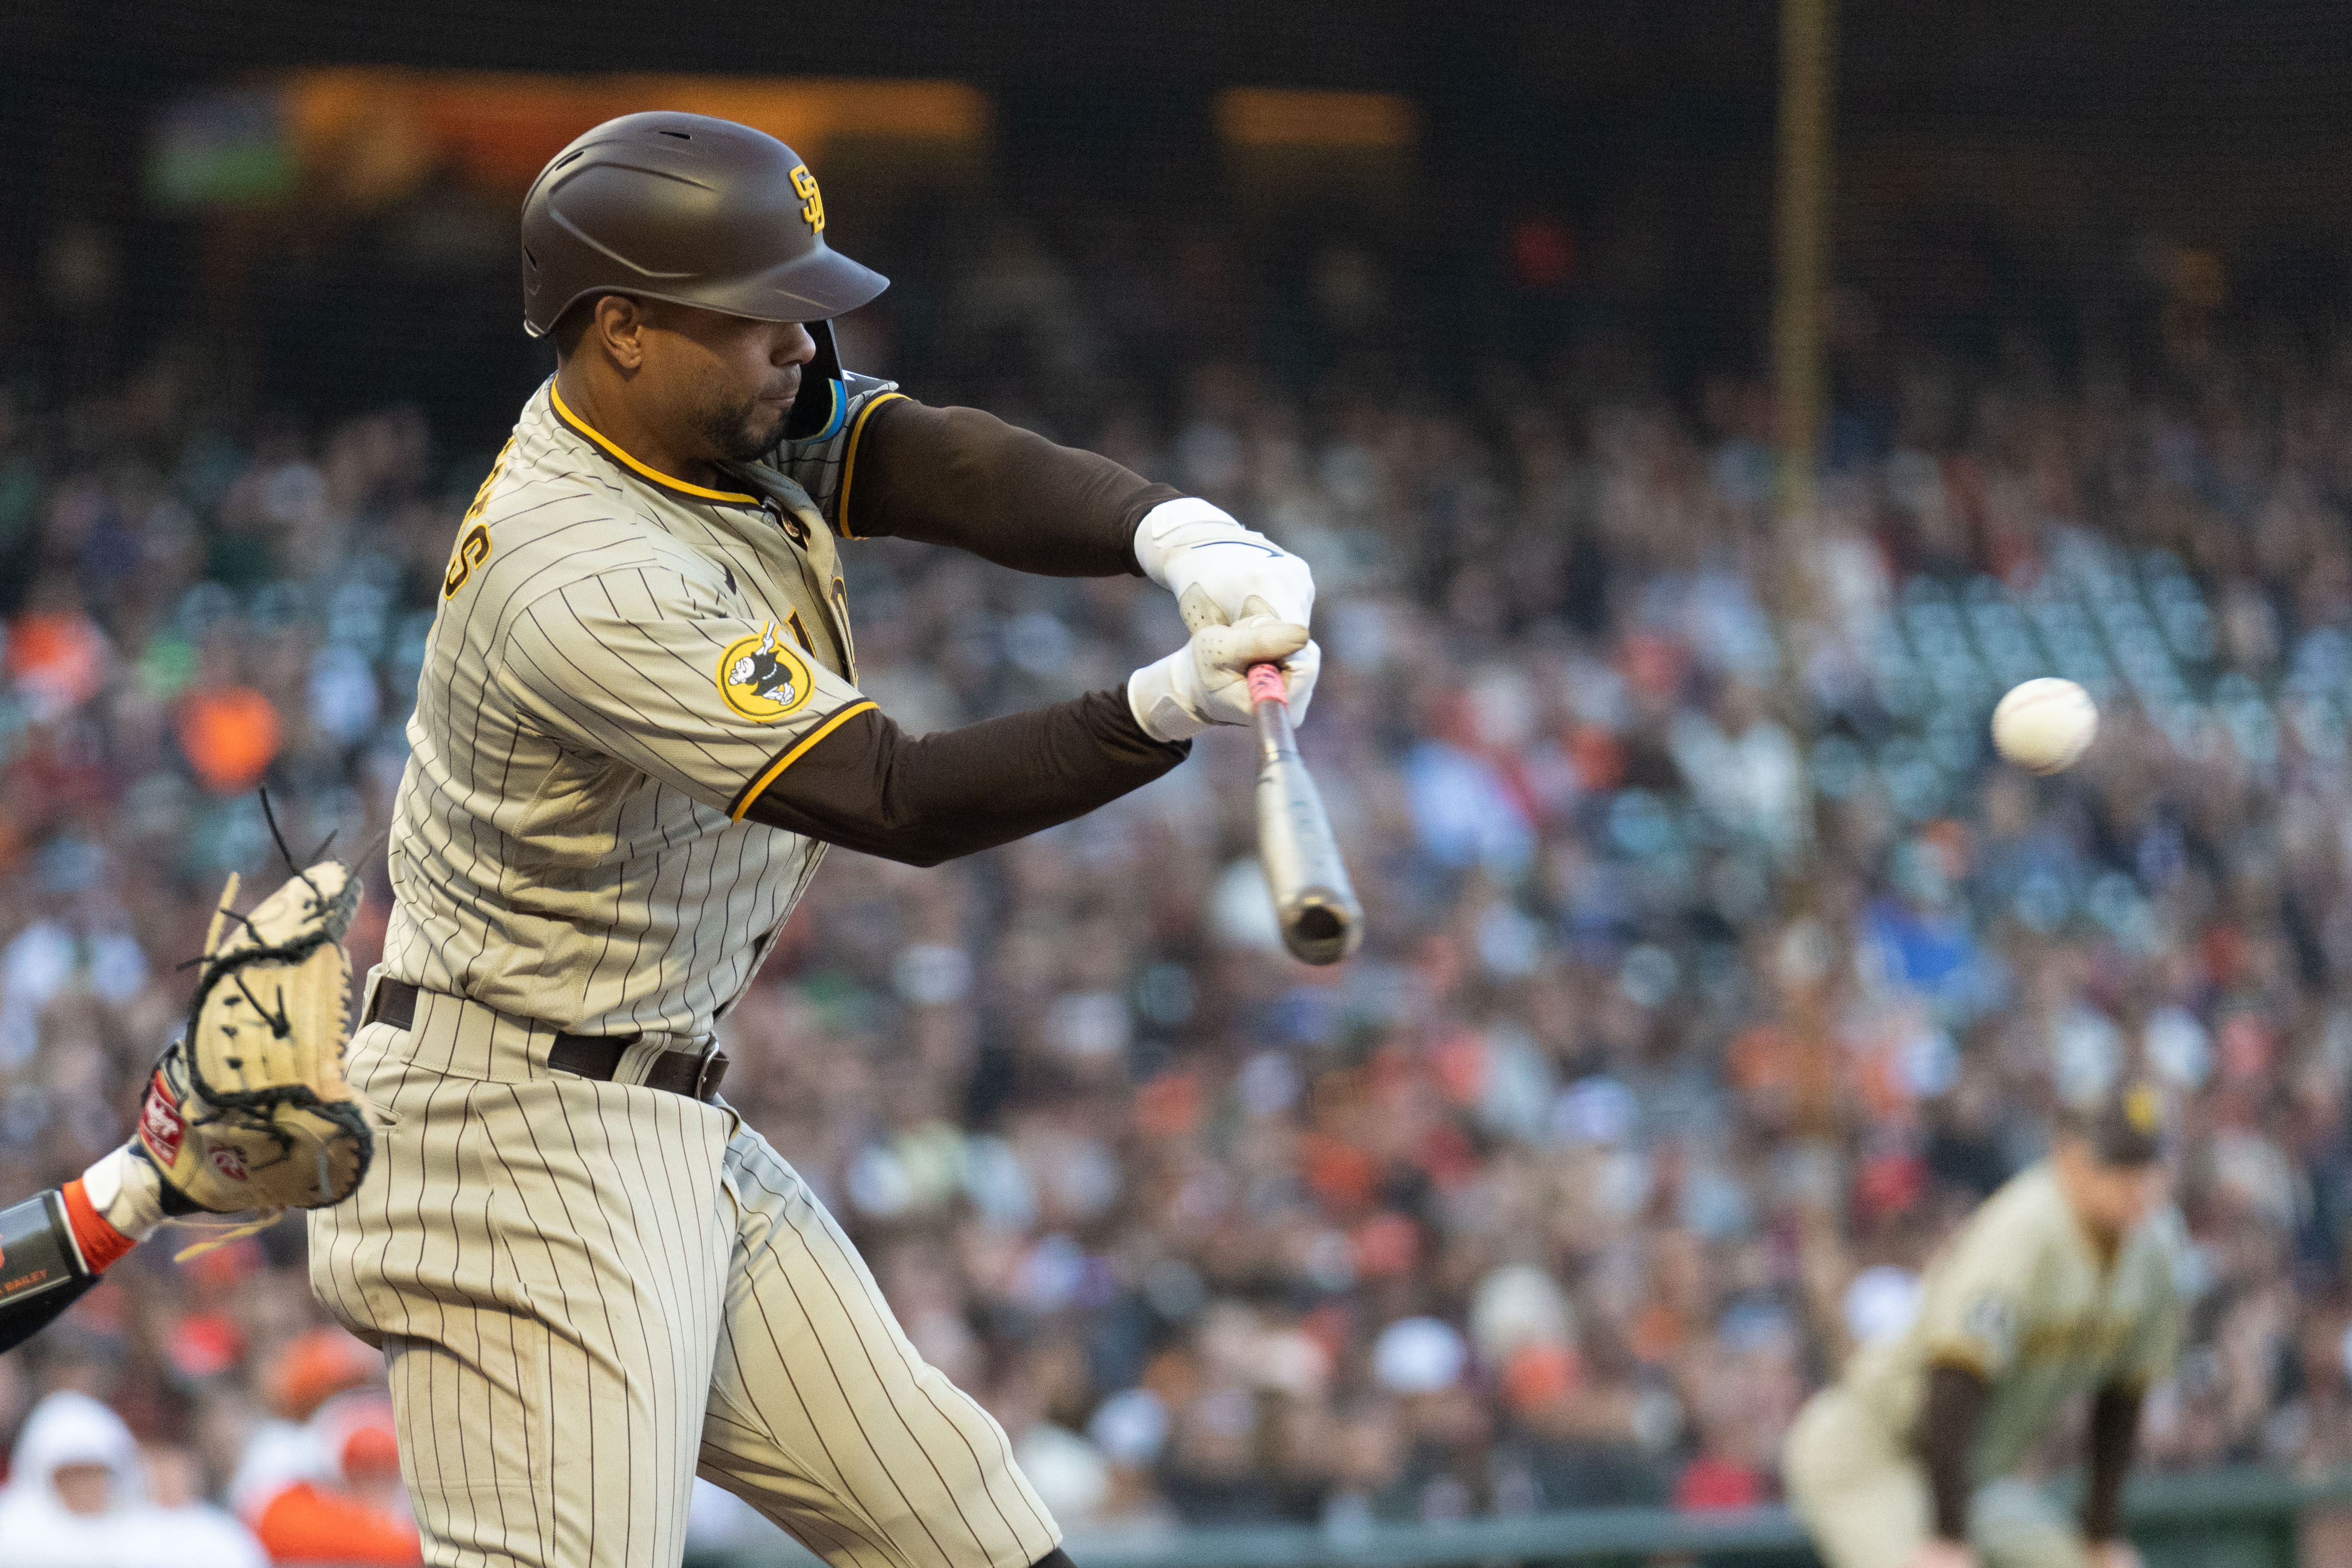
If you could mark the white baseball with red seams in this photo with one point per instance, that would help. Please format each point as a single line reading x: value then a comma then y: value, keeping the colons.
x: 2045, y: 725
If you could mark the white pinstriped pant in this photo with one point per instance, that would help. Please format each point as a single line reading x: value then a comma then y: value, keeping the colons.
x: 589, y: 1292
x: 1863, y: 1494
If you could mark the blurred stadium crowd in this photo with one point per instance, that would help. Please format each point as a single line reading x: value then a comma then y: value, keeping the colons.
x: 1715, y: 968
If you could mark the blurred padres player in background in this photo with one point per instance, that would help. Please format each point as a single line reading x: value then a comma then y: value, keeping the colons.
x: 637, y: 728
x: 2062, y: 1283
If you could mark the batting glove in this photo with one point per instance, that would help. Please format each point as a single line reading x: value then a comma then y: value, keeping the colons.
x: 1189, y: 544
x: 1202, y: 683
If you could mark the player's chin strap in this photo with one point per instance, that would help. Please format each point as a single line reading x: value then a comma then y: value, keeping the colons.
x: 822, y: 406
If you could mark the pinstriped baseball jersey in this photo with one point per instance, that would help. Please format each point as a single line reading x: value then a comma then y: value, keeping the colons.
x: 827, y: 470
x: 591, y: 1291
x: 620, y: 662
x: 2022, y: 1299
x: 2025, y: 1300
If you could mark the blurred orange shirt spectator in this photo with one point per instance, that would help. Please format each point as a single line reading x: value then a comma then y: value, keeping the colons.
x: 322, y: 1482
x: 57, y: 659
x: 231, y: 735
x: 350, y: 1510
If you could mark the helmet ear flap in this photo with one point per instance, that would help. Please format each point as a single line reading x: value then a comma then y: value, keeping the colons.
x: 817, y: 414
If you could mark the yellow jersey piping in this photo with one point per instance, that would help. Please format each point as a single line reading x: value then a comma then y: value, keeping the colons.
x: 798, y: 748
x: 564, y: 412
x: 1959, y: 1360
x: 849, y: 461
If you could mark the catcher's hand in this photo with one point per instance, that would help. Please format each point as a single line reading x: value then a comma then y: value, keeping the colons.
x: 250, y: 1108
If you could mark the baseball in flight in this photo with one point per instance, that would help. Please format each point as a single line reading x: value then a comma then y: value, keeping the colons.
x: 2045, y: 725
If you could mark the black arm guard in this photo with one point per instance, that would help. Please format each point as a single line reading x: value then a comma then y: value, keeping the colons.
x: 41, y: 1268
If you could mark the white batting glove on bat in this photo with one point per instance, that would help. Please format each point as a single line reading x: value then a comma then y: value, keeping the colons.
x: 1188, y: 544
x: 1203, y: 682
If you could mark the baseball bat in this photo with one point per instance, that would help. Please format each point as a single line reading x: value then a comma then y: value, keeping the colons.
x: 1314, y: 903
x: 1321, y: 920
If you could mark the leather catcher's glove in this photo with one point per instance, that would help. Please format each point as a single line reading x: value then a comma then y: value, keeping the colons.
x: 250, y: 1108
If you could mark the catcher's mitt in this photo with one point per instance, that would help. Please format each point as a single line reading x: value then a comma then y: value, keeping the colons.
x: 250, y: 1108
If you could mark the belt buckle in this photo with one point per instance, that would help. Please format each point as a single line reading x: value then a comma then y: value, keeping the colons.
x: 703, y: 1060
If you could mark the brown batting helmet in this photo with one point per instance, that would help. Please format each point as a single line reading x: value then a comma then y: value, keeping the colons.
x: 2124, y: 1126
x: 685, y: 208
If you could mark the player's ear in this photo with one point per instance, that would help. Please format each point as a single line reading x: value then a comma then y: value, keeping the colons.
x: 619, y: 329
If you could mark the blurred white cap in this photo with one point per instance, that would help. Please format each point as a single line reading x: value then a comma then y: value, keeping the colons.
x: 1880, y: 1303
x: 1594, y: 1111
x: 1418, y: 1355
x: 2179, y: 1047
x: 1069, y: 1472
x: 1518, y: 1305
x: 71, y: 1428
x: 1241, y: 907
x: 1130, y: 1427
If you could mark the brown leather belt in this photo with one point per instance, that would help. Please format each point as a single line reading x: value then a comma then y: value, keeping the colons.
x: 694, y: 1074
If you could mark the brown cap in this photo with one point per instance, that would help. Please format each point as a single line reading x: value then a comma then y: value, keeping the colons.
x: 2125, y: 1126
x: 685, y: 208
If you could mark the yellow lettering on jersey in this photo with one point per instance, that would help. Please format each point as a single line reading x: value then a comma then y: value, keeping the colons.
x: 812, y: 204
x: 482, y: 493
x: 473, y: 541
x: 841, y: 607
x: 2084, y: 1339
x: 762, y: 679
x: 473, y: 549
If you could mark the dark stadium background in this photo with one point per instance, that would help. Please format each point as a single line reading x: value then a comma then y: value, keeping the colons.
x: 1996, y: 161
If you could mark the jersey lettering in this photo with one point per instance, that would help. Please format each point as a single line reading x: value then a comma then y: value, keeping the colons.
x: 473, y: 541
x: 473, y: 549
x: 589, y: 612
x: 841, y: 605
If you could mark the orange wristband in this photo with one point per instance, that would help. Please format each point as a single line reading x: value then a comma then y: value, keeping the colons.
x: 101, y: 1245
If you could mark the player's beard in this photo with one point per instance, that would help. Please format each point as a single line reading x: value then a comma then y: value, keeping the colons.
x: 743, y: 431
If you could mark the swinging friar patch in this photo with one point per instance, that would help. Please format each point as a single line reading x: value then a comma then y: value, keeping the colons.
x: 762, y: 678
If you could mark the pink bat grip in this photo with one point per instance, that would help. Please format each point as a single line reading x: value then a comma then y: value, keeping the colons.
x: 1265, y: 684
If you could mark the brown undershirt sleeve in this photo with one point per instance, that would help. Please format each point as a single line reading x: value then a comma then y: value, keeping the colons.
x: 1947, y: 1433
x: 871, y: 786
x: 2114, y: 1433
x: 960, y: 477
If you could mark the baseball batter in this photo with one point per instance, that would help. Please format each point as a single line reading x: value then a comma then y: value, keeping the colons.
x: 638, y: 729
x: 2062, y: 1284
